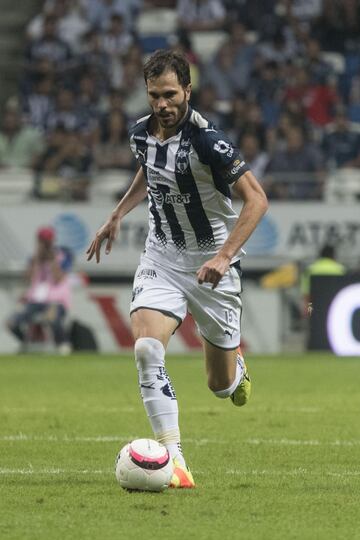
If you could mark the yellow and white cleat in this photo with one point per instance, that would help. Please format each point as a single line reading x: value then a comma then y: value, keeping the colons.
x: 182, y: 477
x: 242, y: 393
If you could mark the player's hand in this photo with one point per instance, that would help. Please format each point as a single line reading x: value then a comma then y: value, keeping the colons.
x: 108, y: 231
x: 212, y: 271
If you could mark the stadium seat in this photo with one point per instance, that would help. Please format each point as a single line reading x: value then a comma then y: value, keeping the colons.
x: 16, y: 185
x: 151, y: 43
x: 336, y: 60
x: 157, y: 21
x: 343, y: 186
x: 108, y: 183
x: 206, y: 44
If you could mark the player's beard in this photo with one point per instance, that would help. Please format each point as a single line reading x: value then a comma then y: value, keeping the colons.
x: 173, y: 121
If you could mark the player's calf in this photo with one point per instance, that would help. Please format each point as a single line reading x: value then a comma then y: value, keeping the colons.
x: 239, y: 390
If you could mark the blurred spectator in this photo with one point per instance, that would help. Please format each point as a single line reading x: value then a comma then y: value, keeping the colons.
x: 94, y: 60
x: 320, y: 71
x: 338, y: 26
x: 65, y: 168
x: 247, y: 121
x: 297, y: 171
x: 280, y: 48
x: 99, y: 12
x: 206, y: 105
x: 88, y: 103
x: 182, y: 43
x: 325, y: 265
x: 71, y: 23
x: 317, y: 101
x: 269, y: 75
x: 134, y: 90
x: 112, y: 149
x: 201, y: 15
x: 243, y: 51
x: 115, y: 42
x: 341, y: 142
x: 258, y: 15
x: 354, y: 98
x: 20, y: 145
x: 49, y: 292
x: 276, y: 137
x: 38, y: 105
x: 47, y: 54
x: 253, y: 155
x: 66, y: 113
x: 303, y: 10
x: 266, y: 89
x: 115, y: 100
x: 220, y: 73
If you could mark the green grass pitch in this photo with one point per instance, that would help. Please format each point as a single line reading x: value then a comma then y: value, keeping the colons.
x: 286, y: 466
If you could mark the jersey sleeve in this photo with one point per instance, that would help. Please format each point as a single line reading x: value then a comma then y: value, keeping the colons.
x: 222, y: 156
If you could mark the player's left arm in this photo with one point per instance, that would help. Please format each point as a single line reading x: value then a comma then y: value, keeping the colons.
x: 254, y: 207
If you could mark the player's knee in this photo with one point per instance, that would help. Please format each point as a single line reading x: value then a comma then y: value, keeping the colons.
x: 148, y: 351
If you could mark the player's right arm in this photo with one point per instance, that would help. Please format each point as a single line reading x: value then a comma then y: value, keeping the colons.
x: 134, y: 195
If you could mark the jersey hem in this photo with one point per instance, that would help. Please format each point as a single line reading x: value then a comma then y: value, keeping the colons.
x: 163, y: 311
x: 222, y: 348
x: 191, y: 270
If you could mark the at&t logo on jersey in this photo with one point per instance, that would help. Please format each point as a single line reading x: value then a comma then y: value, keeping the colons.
x: 169, y: 198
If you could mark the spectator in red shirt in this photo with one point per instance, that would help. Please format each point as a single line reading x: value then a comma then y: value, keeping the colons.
x: 318, y: 100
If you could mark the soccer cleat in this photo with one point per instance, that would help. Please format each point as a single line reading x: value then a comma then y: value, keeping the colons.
x: 182, y: 477
x: 242, y: 392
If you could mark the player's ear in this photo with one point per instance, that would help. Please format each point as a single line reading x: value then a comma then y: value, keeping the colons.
x: 188, y: 92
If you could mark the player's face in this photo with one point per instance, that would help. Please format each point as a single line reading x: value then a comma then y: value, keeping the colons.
x: 168, y: 99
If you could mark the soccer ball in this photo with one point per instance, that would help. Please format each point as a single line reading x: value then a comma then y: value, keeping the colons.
x: 144, y: 465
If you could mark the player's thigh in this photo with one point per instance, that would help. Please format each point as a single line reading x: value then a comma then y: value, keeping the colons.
x: 217, y: 312
x: 158, y: 304
x: 220, y: 366
x: 153, y: 323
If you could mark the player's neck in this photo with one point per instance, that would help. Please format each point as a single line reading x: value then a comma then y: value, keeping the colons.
x: 162, y: 133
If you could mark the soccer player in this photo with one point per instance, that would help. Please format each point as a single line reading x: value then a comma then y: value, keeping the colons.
x: 193, y: 248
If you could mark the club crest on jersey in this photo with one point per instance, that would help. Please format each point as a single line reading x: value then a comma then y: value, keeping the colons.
x: 182, y: 161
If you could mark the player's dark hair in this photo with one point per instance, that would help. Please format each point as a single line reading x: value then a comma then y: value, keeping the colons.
x: 163, y: 60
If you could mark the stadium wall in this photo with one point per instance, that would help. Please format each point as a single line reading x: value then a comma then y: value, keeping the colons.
x: 105, y: 310
x: 288, y: 232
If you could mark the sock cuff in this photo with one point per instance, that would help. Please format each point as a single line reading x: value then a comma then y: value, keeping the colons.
x: 172, y: 436
x: 222, y: 394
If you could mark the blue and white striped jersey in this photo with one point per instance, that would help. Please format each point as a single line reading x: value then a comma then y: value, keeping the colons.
x: 188, y: 178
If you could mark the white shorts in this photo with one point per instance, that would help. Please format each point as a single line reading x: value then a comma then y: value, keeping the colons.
x: 217, y: 312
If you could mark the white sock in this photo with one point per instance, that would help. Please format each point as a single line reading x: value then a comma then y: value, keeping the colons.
x: 228, y: 391
x: 158, y: 395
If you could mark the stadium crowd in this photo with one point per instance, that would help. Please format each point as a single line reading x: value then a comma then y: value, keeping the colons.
x: 284, y: 82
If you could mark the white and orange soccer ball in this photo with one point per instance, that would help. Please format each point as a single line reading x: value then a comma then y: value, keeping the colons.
x: 144, y: 465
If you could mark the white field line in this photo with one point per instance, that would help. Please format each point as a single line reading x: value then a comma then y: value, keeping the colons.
x: 301, y: 442
x: 293, y: 472
x: 129, y: 409
x: 54, y: 410
x: 22, y: 437
x: 54, y: 471
x: 299, y: 472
